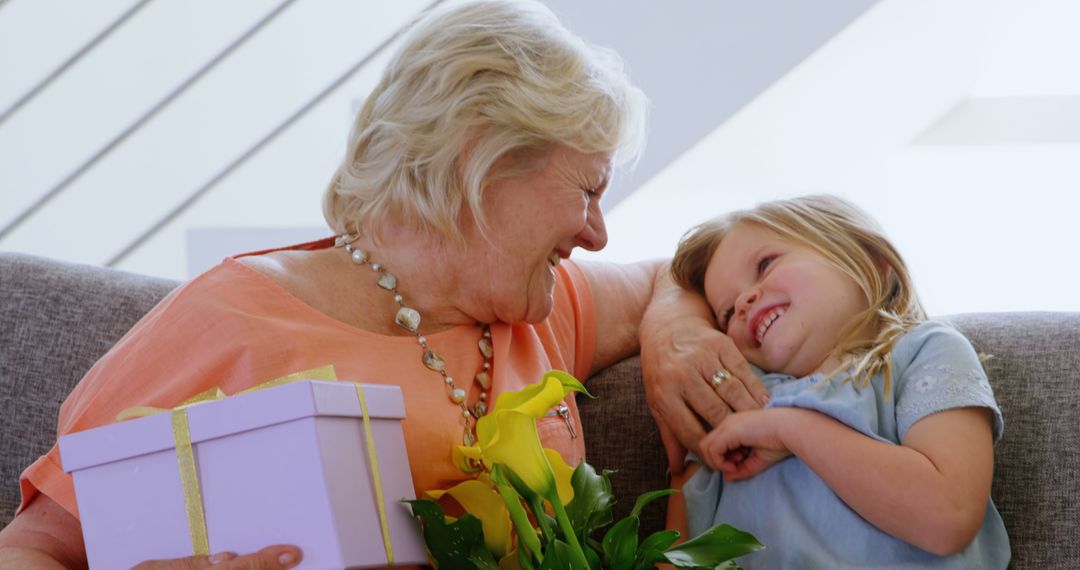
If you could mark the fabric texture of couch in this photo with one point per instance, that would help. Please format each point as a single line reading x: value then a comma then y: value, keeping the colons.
x: 58, y: 318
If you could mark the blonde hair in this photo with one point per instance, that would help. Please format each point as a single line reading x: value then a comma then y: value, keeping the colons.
x: 849, y: 239
x: 472, y: 84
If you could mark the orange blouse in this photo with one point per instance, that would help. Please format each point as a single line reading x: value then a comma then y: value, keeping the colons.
x: 235, y: 328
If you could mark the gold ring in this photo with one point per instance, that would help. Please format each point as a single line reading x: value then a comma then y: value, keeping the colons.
x: 718, y: 377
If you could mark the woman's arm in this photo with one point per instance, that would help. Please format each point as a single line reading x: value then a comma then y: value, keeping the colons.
x: 681, y: 349
x: 620, y: 295
x: 931, y: 491
x: 44, y: 536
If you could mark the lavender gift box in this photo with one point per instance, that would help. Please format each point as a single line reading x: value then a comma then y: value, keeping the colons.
x: 284, y: 465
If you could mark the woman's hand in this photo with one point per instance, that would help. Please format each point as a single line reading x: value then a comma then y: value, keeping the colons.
x: 681, y: 356
x: 269, y: 558
x: 724, y: 449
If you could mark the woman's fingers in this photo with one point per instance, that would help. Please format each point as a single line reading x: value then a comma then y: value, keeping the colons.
x: 676, y: 452
x: 277, y: 557
x: 746, y: 392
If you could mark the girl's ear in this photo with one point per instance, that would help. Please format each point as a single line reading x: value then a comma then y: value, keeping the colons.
x: 883, y: 267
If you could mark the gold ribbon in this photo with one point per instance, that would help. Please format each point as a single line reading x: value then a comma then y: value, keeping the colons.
x: 376, y: 478
x: 189, y: 480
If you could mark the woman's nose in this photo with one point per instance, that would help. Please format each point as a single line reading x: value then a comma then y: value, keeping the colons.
x: 593, y: 236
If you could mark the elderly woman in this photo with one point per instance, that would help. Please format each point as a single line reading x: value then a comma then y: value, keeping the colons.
x: 474, y: 169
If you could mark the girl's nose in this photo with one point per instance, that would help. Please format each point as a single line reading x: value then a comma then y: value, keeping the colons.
x: 746, y: 300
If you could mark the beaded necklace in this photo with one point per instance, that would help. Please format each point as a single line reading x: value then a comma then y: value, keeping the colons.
x: 409, y: 319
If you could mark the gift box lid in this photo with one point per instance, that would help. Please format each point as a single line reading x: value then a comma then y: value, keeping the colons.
x: 219, y: 418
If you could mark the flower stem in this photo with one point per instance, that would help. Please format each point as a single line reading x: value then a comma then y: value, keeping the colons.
x: 526, y: 533
x: 568, y: 531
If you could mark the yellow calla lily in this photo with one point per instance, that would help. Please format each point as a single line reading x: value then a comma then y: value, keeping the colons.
x: 563, y: 472
x: 510, y: 562
x: 517, y: 445
x: 534, y: 400
x: 466, y: 458
x: 481, y: 501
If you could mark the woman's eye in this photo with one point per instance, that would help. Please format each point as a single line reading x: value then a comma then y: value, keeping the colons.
x: 765, y: 263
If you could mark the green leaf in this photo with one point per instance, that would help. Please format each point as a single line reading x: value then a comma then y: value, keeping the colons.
x: 651, y: 550
x: 591, y: 506
x: 593, y: 556
x: 482, y: 558
x: 646, y: 498
x: 660, y: 540
x: 459, y: 544
x: 620, y: 544
x: 719, y: 544
x: 647, y: 560
x: 559, y: 556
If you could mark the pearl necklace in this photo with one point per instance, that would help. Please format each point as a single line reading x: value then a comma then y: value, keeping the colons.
x: 409, y: 319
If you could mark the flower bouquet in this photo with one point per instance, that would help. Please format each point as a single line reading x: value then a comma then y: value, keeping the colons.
x: 526, y: 509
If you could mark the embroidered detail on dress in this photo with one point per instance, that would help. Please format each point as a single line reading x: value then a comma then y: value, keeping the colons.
x: 943, y: 387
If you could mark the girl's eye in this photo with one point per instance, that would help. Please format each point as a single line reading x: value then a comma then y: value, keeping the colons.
x: 765, y: 263
x: 725, y: 318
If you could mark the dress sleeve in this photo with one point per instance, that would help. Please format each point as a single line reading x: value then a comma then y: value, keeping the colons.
x: 573, y: 318
x: 937, y: 369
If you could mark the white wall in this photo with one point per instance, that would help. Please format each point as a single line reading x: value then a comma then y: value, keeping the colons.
x: 986, y: 225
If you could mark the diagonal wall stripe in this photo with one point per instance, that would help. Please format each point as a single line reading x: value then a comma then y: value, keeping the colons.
x: 146, y: 117
x: 70, y: 61
x: 248, y: 154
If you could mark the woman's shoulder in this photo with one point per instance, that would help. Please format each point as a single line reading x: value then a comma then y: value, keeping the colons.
x: 312, y: 276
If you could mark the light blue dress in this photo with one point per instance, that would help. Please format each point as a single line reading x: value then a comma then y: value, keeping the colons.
x: 798, y: 517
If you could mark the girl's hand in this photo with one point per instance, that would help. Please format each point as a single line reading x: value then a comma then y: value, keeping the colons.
x: 746, y: 443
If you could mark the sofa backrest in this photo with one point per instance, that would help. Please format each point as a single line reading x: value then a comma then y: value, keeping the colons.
x: 56, y: 319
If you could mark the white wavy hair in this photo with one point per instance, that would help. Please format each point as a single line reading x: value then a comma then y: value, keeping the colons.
x: 474, y: 83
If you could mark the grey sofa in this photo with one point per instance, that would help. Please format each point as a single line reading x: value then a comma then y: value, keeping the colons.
x: 56, y: 319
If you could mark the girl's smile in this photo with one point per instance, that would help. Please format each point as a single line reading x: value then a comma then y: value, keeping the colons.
x: 786, y: 306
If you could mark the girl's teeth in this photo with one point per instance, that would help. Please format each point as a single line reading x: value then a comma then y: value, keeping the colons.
x: 554, y: 259
x: 767, y: 322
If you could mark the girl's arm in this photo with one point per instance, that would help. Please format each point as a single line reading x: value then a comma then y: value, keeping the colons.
x: 931, y: 491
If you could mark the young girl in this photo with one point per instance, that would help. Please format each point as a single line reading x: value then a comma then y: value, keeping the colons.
x: 876, y: 447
